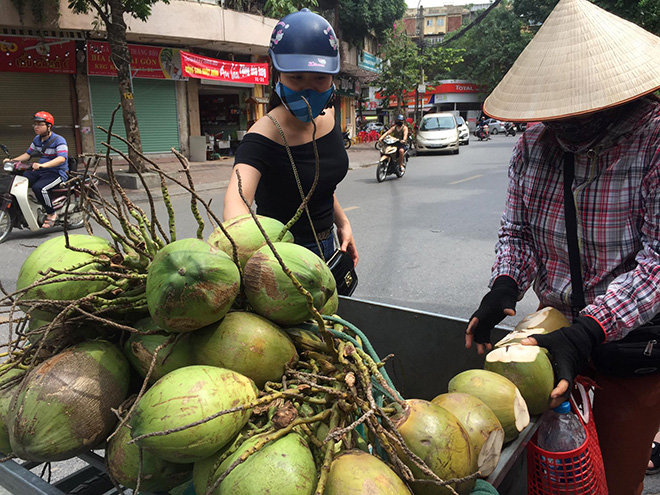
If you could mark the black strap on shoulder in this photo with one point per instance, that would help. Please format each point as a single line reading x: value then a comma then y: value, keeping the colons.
x: 577, y: 293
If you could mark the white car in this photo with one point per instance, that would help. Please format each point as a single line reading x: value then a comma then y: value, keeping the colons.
x: 438, y: 132
x: 374, y: 126
x: 463, y: 131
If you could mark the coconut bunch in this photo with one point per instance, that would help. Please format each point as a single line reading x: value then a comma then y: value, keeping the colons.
x: 220, y: 360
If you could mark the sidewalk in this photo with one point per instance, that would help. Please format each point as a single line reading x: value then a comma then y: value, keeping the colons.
x: 213, y: 175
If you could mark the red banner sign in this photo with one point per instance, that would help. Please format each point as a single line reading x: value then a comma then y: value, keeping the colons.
x: 37, y: 55
x: 147, y: 62
x: 202, y: 67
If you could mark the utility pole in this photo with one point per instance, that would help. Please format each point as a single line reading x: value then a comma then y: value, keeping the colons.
x: 420, y: 46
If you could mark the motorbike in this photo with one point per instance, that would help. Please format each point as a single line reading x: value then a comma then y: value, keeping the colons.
x: 20, y: 209
x: 388, y: 163
x: 509, y: 129
x: 347, y: 139
x: 482, y: 132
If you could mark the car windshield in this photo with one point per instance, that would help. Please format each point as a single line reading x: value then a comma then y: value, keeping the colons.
x: 437, y: 123
x: 460, y: 121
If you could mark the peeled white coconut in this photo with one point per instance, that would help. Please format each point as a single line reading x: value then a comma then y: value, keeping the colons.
x: 529, y: 368
x: 500, y: 394
x: 543, y: 321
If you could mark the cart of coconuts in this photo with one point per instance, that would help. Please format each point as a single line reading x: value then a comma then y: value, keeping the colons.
x: 229, y: 365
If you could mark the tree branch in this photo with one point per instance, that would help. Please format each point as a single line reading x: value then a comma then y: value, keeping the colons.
x: 476, y: 21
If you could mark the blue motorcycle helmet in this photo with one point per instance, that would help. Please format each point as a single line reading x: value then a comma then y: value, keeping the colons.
x: 304, y: 42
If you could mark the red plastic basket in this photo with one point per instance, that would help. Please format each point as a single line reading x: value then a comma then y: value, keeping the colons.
x: 578, y: 472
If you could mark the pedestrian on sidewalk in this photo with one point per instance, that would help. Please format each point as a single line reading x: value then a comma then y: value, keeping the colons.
x: 304, y: 52
x: 593, y: 160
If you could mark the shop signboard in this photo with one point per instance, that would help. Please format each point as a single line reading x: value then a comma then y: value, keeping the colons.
x: 201, y: 67
x: 50, y: 55
x: 147, y: 62
x: 456, y: 87
x: 369, y: 62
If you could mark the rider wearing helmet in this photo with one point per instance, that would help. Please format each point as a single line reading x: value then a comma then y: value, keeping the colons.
x: 400, y: 131
x: 304, y: 52
x: 52, y: 167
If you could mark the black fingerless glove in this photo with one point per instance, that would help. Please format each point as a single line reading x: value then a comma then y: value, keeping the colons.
x: 503, y: 295
x: 571, y: 347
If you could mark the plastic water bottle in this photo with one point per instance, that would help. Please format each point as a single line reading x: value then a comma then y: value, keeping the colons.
x: 561, y: 430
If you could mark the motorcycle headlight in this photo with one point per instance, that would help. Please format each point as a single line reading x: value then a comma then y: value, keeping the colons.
x: 8, y: 166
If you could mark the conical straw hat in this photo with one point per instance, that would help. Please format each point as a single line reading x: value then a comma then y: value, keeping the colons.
x: 581, y: 60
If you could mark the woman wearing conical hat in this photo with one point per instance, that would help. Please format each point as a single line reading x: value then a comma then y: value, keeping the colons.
x: 588, y: 77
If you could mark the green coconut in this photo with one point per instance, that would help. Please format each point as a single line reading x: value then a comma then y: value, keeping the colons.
x: 190, y: 284
x: 438, y: 438
x: 541, y: 322
x: 140, y: 348
x: 247, y: 343
x: 529, y: 368
x: 500, y: 394
x: 9, y: 382
x: 284, y: 466
x: 64, y: 405
x: 483, y: 427
x: 330, y: 308
x: 187, y: 395
x: 274, y: 296
x: 355, y: 472
x: 53, y: 254
x: 247, y: 236
x: 123, y: 462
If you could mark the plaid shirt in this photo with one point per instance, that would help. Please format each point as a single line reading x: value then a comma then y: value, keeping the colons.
x: 618, y: 220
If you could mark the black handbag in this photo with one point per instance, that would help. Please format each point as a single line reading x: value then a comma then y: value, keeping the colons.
x: 638, y: 353
x: 342, y: 268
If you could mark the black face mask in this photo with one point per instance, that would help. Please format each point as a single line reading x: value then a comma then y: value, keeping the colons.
x: 579, y: 133
x: 399, y: 124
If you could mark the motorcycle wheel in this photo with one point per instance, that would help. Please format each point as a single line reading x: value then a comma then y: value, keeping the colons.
x: 381, y: 171
x: 76, y: 220
x: 347, y: 143
x: 5, y: 225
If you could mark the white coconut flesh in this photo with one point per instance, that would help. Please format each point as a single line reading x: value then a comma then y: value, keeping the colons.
x: 514, y: 354
x: 543, y: 321
x: 489, y: 456
x: 520, y: 411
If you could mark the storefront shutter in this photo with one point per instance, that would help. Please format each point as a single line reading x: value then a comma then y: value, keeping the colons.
x: 23, y: 95
x: 155, y: 102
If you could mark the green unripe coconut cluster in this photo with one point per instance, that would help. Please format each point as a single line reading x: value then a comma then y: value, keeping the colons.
x: 190, y: 284
x: 187, y: 395
x: 271, y: 292
x: 54, y: 254
x: 64, y: 405
x: 247, y: 236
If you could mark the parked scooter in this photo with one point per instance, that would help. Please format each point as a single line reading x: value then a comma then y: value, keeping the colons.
x: 509, y: 129
x: 389, y: 159
x: 19, y: 207
x: 347, y: 139
x: 482, y: 132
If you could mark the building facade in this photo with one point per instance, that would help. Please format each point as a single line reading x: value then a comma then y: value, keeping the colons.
x: 202, y: 109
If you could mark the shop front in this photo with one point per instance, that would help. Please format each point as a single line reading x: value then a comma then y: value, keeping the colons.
x: 229, y: 94
x: 460, y: 97
x: 154, y: 72
x: 37, y: 74
x: 345, y: 103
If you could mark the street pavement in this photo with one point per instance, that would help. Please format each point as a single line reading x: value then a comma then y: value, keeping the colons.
x: 214, y: 174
